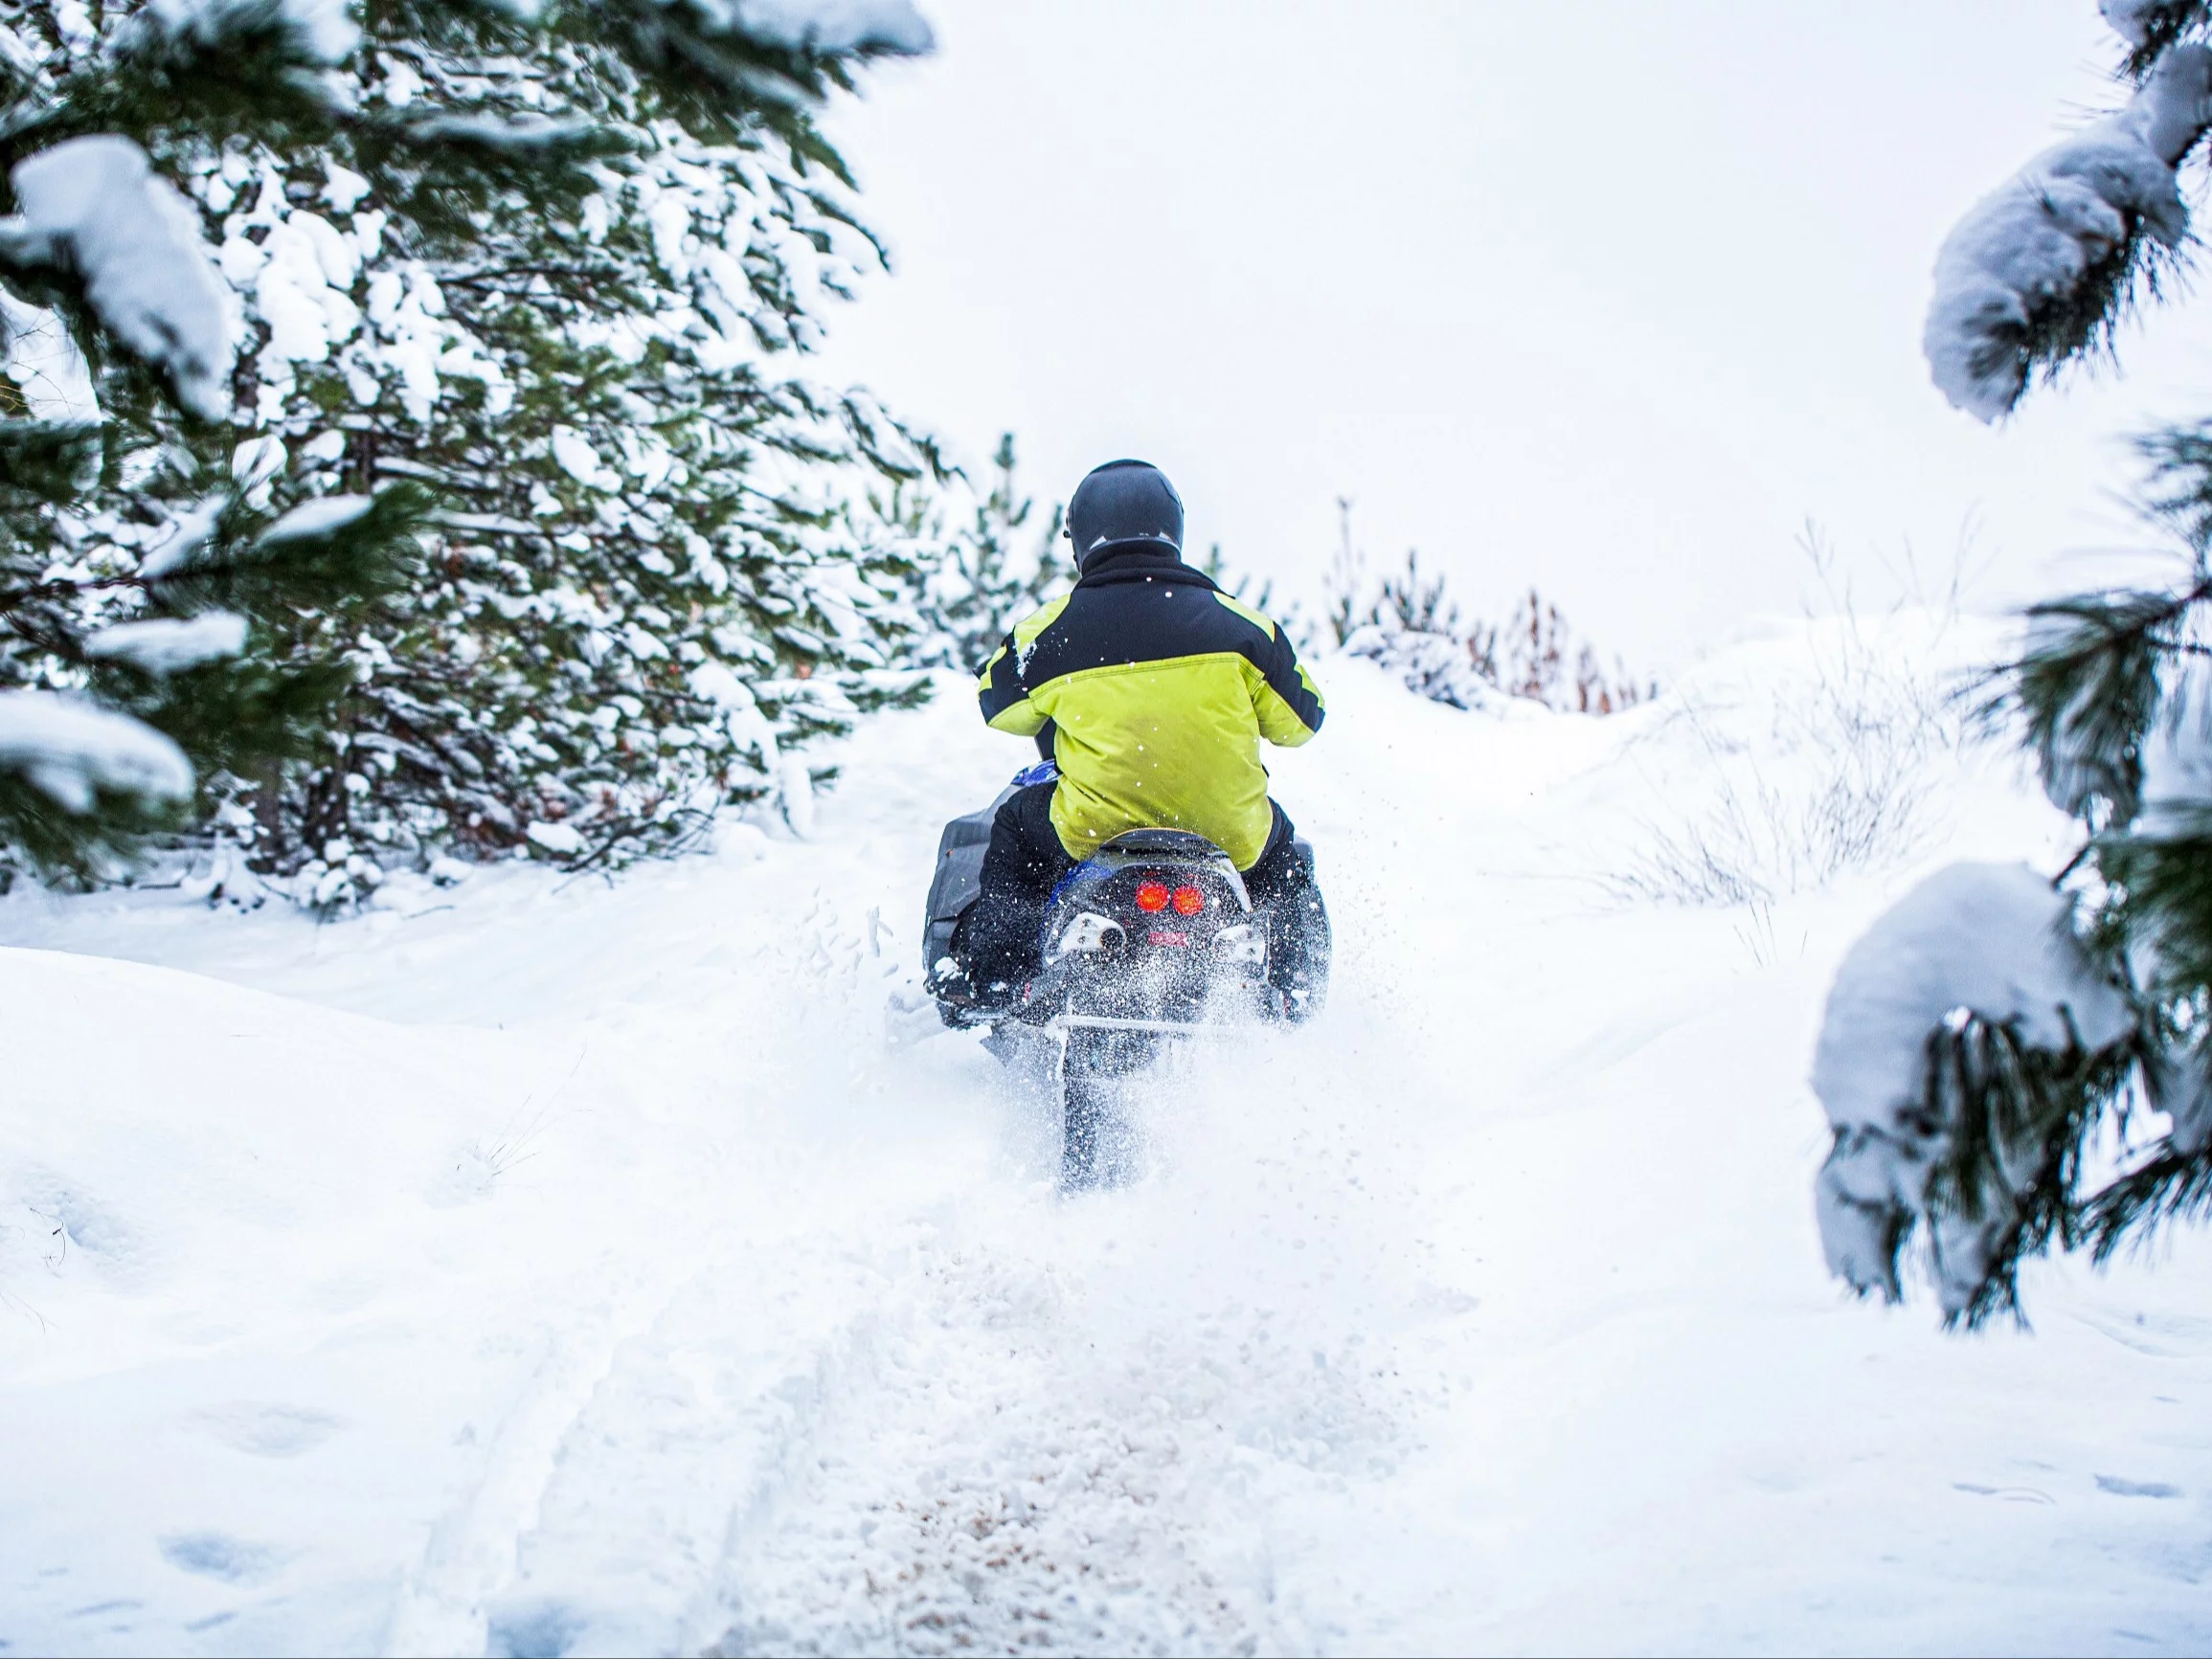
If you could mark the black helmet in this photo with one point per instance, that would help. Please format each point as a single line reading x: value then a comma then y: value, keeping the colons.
x: 1122, y: 502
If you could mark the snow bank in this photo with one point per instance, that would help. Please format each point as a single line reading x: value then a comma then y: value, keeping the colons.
x: 93, y: 206
x: 2023, y: 252
x: 70, y: 749
x: 1995, y: 940
x: 166, y: 644
x: 556, y: 838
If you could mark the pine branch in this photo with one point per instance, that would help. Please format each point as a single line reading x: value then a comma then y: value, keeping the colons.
x: 2156, y: 27
x: 2172, y: 1187
x: 2088, y: 686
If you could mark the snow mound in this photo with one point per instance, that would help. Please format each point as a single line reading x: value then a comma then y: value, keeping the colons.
x: 95, y: 207
x: 2025, y: 252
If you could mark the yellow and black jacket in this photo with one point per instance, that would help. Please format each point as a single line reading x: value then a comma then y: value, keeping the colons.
x: 1159, y: 687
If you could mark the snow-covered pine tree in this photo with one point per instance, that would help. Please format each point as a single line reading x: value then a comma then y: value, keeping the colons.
x: 1409, y: 626
x: 142, y: 646
x: 636, y: 593
x: 647, y: 597
x: 1995, y: 1028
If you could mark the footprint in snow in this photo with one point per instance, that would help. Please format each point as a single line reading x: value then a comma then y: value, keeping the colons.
x: 219, y: 1556
x: 2136, y: 1489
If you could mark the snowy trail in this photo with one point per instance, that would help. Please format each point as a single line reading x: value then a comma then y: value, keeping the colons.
x: 642, y: 1289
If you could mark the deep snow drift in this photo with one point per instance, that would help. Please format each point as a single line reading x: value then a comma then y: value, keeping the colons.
x: 542, y: 1268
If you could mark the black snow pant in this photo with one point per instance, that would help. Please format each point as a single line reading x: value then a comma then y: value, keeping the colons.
x: 1000, y: 939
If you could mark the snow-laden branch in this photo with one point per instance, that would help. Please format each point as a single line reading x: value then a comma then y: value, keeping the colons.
x: 817, y: 28
x: 70, y: 750
x: 321, y: 29
x: 1990, y: 941
x: 826, y: 28
x: 312, y: 520
x: 2028, y: 277
x: 167, y: 644
x: 93, y: 207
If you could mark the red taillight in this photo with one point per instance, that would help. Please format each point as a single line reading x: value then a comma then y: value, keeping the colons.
x: 1151, y: 896
x: 1188, y: 900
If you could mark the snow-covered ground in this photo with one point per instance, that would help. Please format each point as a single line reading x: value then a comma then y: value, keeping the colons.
x: 571, y: 1268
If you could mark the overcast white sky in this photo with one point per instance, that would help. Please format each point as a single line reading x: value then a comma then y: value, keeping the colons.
x: 1609, y: 299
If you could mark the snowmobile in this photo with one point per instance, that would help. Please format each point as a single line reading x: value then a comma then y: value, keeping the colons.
x: 1151, y: 942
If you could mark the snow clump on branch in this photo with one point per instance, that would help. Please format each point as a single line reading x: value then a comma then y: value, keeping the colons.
x: 2176, y: 760
x: 92, y: 205
x: 2033, y: 249
x: 320, y: 28
x: 70, y: 750
x: 166, y: 644
x: 1993, y: 942
x: 827, y: 28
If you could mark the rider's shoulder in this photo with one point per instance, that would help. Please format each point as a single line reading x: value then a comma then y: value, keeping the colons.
x: 1251, y: 614
x: 1027, y: 630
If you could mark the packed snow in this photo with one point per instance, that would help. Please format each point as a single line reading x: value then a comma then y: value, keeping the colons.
x: 70, y: 749
x: 542, y: 1264
x: 2027, y: 248
x: 94, y: 207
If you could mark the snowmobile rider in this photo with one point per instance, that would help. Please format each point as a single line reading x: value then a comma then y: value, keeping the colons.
x: 1150, y: 689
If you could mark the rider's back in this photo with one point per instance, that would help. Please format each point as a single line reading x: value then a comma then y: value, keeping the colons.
x: 1160, y: 687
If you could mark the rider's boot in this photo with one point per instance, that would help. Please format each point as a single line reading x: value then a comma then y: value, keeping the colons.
x: 1298, y: 941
